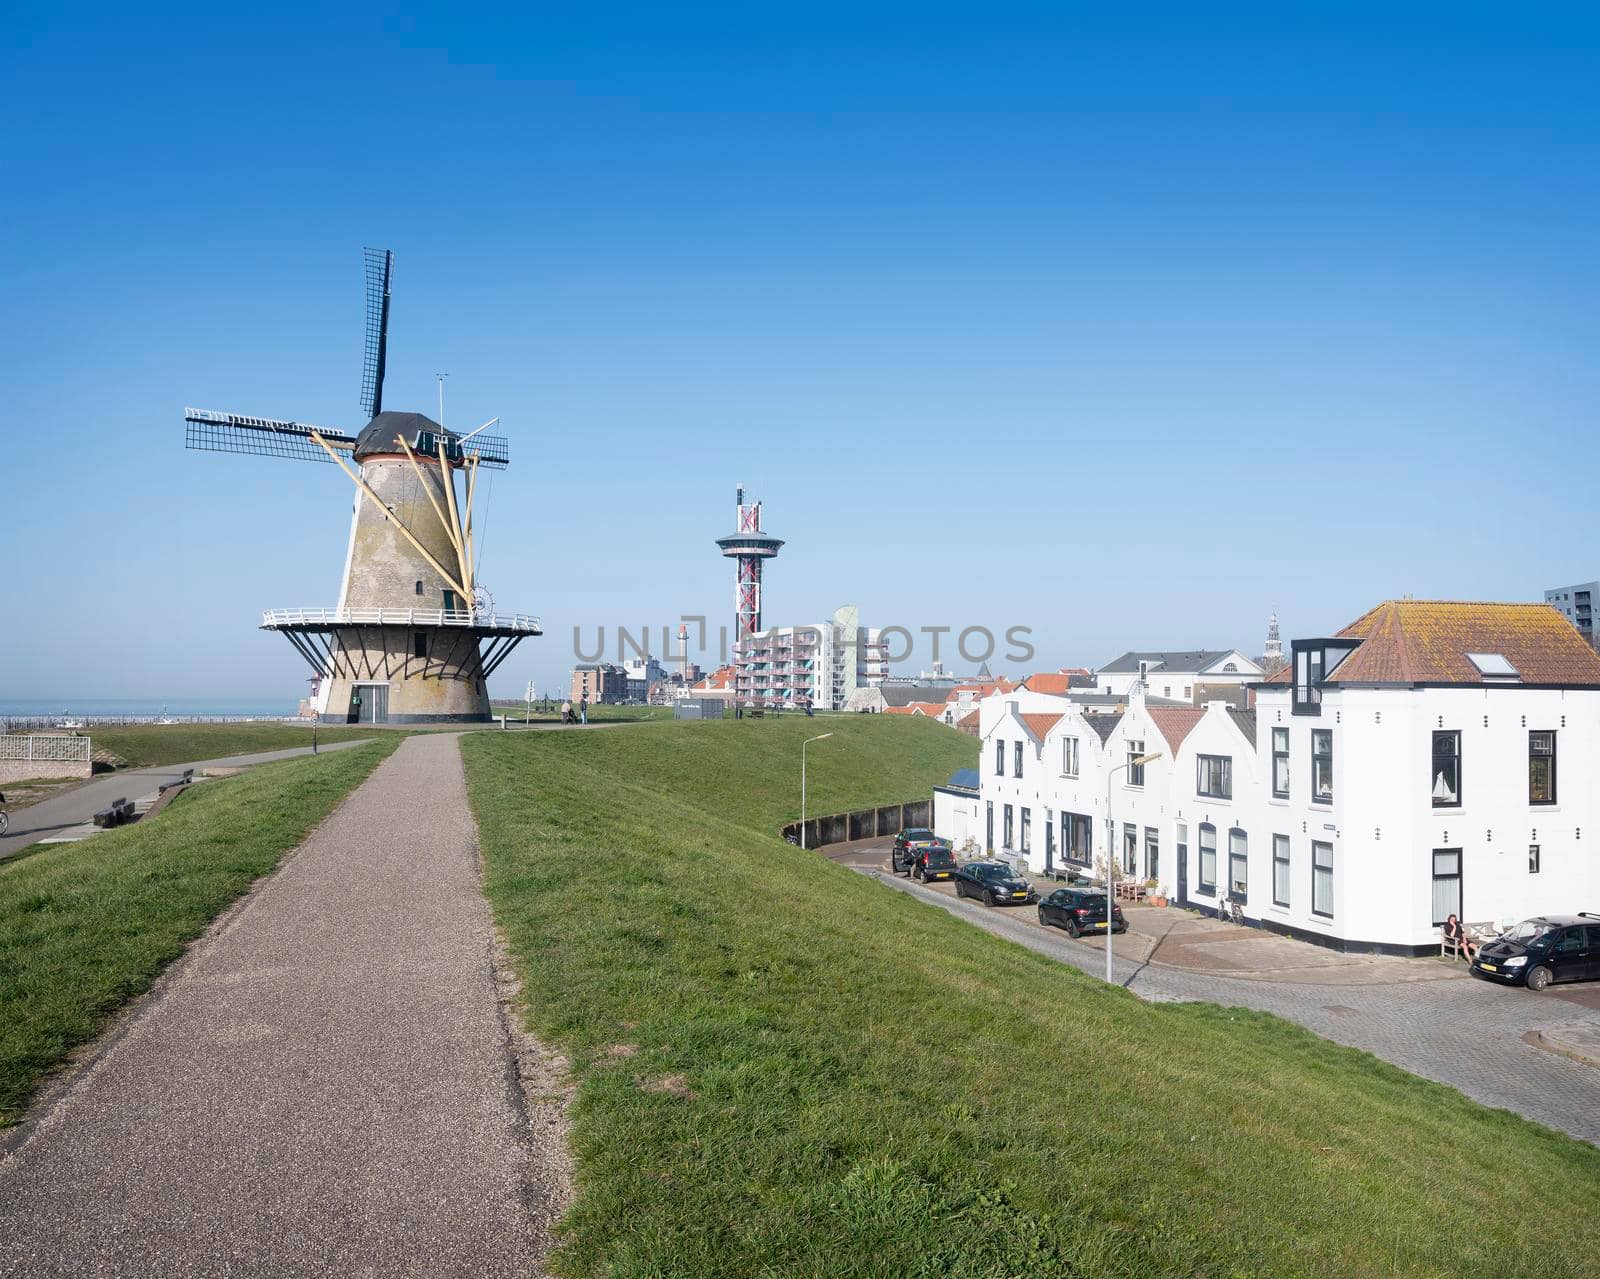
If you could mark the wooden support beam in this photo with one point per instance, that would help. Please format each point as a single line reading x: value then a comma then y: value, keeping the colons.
x: 455, y: 517
x: 466, y: 525
x: 389, y: 515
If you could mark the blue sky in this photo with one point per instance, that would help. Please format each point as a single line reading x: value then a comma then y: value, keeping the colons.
x: 1128, y: 325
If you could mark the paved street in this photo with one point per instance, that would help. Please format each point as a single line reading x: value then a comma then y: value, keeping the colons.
x: 1425, y: 1016
x: 323, y: 1085
x: 78, y: 805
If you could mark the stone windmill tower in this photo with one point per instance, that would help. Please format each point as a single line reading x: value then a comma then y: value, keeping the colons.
x: 413, y: 638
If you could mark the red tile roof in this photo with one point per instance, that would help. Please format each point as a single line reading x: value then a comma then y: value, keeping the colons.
x: 1045, y: 682
x: 1039, y: 724
x: 969, y: 720
x: 1175, y: 722
x: 1427, y: 642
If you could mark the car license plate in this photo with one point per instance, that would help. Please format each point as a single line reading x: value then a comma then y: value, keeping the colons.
x: 943, y: 874
x: 1019, y: 894
x: 1488, y: 968
x: 1101, y: 924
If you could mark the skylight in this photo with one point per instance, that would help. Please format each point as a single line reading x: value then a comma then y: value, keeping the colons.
x: 1493, y: 666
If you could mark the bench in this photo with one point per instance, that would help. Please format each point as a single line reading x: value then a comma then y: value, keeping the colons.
x: 121, y: 811
x: 1130, y: 890
x: 1475, y: 934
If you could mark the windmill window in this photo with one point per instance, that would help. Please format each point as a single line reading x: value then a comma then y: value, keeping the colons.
x: 419, y: 586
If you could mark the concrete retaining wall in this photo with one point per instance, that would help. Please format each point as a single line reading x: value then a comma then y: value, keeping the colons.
x: 864, y: 823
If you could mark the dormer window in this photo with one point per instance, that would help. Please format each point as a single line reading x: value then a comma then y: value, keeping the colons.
x: 1314, y: 661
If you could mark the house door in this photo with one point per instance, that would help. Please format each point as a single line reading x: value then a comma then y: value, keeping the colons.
x: 988, y: 827
x: 1049, y: 843
x: 1183, y: 863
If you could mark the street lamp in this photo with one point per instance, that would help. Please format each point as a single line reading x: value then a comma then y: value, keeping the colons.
x: 1111, y: 840
x: 803, y: 745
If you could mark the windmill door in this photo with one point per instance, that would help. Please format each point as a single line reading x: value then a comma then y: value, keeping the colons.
x: 369, y: 704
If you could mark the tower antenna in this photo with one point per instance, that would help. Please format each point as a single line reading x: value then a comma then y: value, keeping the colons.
x: 441, y: 377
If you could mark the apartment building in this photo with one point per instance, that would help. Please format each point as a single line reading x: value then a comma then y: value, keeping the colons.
x: 1576, y: 604
x: 599, y: 682
x: 820, y: 665
x: 1407, y: 768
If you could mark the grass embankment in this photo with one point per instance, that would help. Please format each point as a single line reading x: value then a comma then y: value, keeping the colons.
x: 599, y: 714
x: 787, y: 1069
x: 152, y: 745
x: 85, y: 927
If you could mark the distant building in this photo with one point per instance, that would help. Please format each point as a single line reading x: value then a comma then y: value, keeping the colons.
x: 599, y: 682
x: 1272, y: 659
x: 641, y: 673
x: 1175, y: 676
x: 1576, y: 604
x: 821, y: 665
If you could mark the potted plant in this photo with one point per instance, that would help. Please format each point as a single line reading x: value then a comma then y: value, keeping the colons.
x: 1153, y: 893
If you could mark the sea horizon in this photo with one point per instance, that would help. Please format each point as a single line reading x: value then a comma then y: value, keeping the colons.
x: 141, y: 706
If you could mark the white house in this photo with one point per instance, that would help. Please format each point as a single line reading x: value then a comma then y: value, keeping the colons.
x: 1431, y: 758
x: 1175, y: 676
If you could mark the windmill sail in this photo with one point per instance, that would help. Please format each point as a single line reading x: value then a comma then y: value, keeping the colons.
x: 271, y: 437
x: 380, y: 271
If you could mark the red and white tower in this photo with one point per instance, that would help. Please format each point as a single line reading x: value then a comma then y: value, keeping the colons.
x: 749, y: 546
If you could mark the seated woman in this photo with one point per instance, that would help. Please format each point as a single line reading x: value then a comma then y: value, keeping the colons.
x: 1455, y: 935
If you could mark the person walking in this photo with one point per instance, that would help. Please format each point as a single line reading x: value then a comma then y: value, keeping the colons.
x: 583, y: 710
x: 566, y: 712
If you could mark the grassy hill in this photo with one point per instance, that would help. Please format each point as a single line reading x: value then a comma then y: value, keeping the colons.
x: 787, y: 1069
x: 151, y: 745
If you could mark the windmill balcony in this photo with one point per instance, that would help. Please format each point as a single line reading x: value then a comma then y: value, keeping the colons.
x: 301, y: 619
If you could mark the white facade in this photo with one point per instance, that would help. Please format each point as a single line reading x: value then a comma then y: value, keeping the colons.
x: 1357, y: 868
x: 822, y: 664
x: 1382, y: 826
x: 957, y: 816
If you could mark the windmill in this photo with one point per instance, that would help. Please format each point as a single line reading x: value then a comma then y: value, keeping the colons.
x: 414, y: 638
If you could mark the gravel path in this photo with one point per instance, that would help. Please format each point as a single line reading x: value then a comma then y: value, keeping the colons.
x: 324, y: 1085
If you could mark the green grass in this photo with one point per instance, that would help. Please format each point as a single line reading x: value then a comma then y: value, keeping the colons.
x: 787, y: 1069
x: 151, y: 745
x: 597, y: 714
x: 85, y: 927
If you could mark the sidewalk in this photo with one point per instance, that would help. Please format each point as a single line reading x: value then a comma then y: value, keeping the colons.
x: 323, y: 1085
x: 1172, y: 937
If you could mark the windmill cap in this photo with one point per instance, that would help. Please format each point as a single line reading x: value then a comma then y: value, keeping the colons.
x: 378, y: 435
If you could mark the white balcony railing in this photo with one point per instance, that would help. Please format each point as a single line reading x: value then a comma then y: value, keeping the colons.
x: 282, y: 618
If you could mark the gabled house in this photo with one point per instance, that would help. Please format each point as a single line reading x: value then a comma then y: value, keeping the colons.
x: 1176, y: 675
x: 1433, y: 757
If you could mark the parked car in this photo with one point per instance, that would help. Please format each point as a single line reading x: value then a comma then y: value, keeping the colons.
x: 929, y: 864
x: 995, y: 884
x: 1541, y: 950
x: 1080, y: 910
x: 911, y: 841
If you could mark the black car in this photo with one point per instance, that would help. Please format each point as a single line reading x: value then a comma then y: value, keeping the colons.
x: 994, y: 883
x: 1541, y: 950
x: 933, y: 863
x: 908, y: 843
x: 1079, y: 911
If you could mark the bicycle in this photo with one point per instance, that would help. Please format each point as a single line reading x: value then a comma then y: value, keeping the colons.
x: 1228, y: 912
x: 5, y: 821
